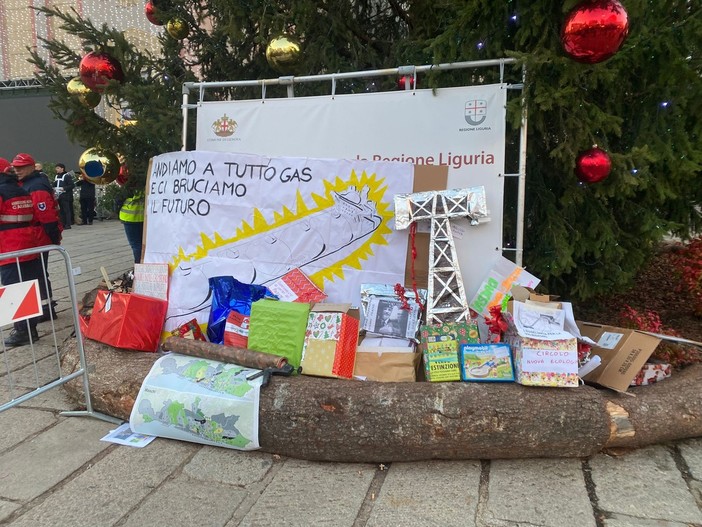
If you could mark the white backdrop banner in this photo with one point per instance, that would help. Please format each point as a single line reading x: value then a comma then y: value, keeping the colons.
x: 256, y: 218
x: 463, y: 128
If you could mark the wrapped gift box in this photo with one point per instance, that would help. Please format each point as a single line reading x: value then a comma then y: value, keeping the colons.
x: 539, y: 362
x: 331, y: 339
x: 128, y: 321
x: 651, y: 373
x: 486, y: 362
x: 440, y: 345
x: 441, y: 359
x: 295, y: 286
x: 278, y: 328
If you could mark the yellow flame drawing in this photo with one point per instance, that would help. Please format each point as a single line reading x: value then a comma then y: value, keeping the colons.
x: 259, y: 224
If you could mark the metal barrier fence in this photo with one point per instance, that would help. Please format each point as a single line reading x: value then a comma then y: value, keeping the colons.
x: 32, y: 369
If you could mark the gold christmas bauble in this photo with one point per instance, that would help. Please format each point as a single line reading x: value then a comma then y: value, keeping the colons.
x: 177, y: 28
x: 90, y: 99
x: 76, y: 87
x: 284, y: 53
x: 99, y: 166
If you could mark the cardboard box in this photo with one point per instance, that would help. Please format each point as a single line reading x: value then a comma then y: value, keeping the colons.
x: 331, y: 339
x: 426, y: 178
x: 396, y: 362
x: 623, y: 353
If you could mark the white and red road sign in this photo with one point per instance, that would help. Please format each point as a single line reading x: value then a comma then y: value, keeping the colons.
x: 19, y: 302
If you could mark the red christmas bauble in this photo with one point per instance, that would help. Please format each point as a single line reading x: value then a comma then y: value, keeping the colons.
x: 153, y: 14
x: 401, y: 82
x: 98, y: 68
x: 123, y: 175
x: 595, y: 30
x: 593, y: 165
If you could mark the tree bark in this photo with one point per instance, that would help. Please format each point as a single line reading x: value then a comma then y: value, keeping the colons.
x: 353, y: 421
x: 229, y: 354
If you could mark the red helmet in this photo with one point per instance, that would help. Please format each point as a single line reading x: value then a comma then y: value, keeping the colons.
x: 22, y: 160
x: 4, y: 165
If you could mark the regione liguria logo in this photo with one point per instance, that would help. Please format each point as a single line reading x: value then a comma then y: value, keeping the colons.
x: 476, y: 112
x: 224, y: 126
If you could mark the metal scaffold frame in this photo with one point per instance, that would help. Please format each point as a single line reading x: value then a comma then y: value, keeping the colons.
x: 410, y: 74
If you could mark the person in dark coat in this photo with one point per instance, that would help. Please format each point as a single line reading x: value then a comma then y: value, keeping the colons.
x: 86, y: 197
x: 63, y: 186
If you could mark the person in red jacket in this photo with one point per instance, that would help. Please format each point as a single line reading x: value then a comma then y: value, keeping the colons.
x: 18, y: 231
x: 45, y: 215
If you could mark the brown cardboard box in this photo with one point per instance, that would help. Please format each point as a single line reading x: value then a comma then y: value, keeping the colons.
x: 426, y: 178
x: 623, y: 353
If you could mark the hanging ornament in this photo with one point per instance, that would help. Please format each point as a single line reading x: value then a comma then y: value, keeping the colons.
x: 593, y: 165
x: 153, y: 13
x: 90, y: 100
x: 177, y: 28
x: 593, y: 31
x: 402, y: 82
x: 123, y: 175
x: 98, y: 68
x: 283, y: 53
x: 98, y: 166
x: 76, y: 87
x: 80, y: 91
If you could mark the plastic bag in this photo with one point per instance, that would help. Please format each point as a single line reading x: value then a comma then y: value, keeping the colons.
x: 228, y: 294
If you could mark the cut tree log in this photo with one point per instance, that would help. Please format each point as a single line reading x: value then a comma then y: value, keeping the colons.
x: 353, y: 421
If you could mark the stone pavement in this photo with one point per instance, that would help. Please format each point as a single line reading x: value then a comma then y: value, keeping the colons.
x: 55, y: 471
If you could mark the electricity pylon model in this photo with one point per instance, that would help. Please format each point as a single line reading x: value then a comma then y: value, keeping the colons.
x: 446, y: 298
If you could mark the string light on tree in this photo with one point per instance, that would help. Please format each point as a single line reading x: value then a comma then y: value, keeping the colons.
x: 595, y: 30
x: 406, y: 82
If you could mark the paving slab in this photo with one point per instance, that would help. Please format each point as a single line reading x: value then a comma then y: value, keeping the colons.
x: 231, y: 467
x: 691, y: 451
x: 310, y: 494
x: 111, y: 488
x: 427, y: 494
x: 543, y: 492
x: 644, y: 484
x: 16, y: 425
x: 623, y: 521
x: 7, y: 508
x: 35, y: 466
x: 185, y: 502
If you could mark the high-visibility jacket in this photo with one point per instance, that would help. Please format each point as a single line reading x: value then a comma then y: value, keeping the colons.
x: 18, y: 229
x: 132, y: 210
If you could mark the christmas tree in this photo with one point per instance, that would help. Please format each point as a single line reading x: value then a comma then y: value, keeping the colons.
x: 641, y: 105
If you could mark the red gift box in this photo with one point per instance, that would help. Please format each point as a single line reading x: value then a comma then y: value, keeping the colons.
x: 331, y: 339
x: 128, y: 321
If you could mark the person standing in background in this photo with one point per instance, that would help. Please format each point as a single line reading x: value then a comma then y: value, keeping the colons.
x: 86, y: 197
x: 131, y: 214
x: 45, y: 217
x: 19, y: 232
x: 40, y: 168
x: 63, y: 185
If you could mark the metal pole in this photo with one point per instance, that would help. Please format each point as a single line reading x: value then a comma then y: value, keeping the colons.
x: 184, y: 134
x: 521, y: 193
